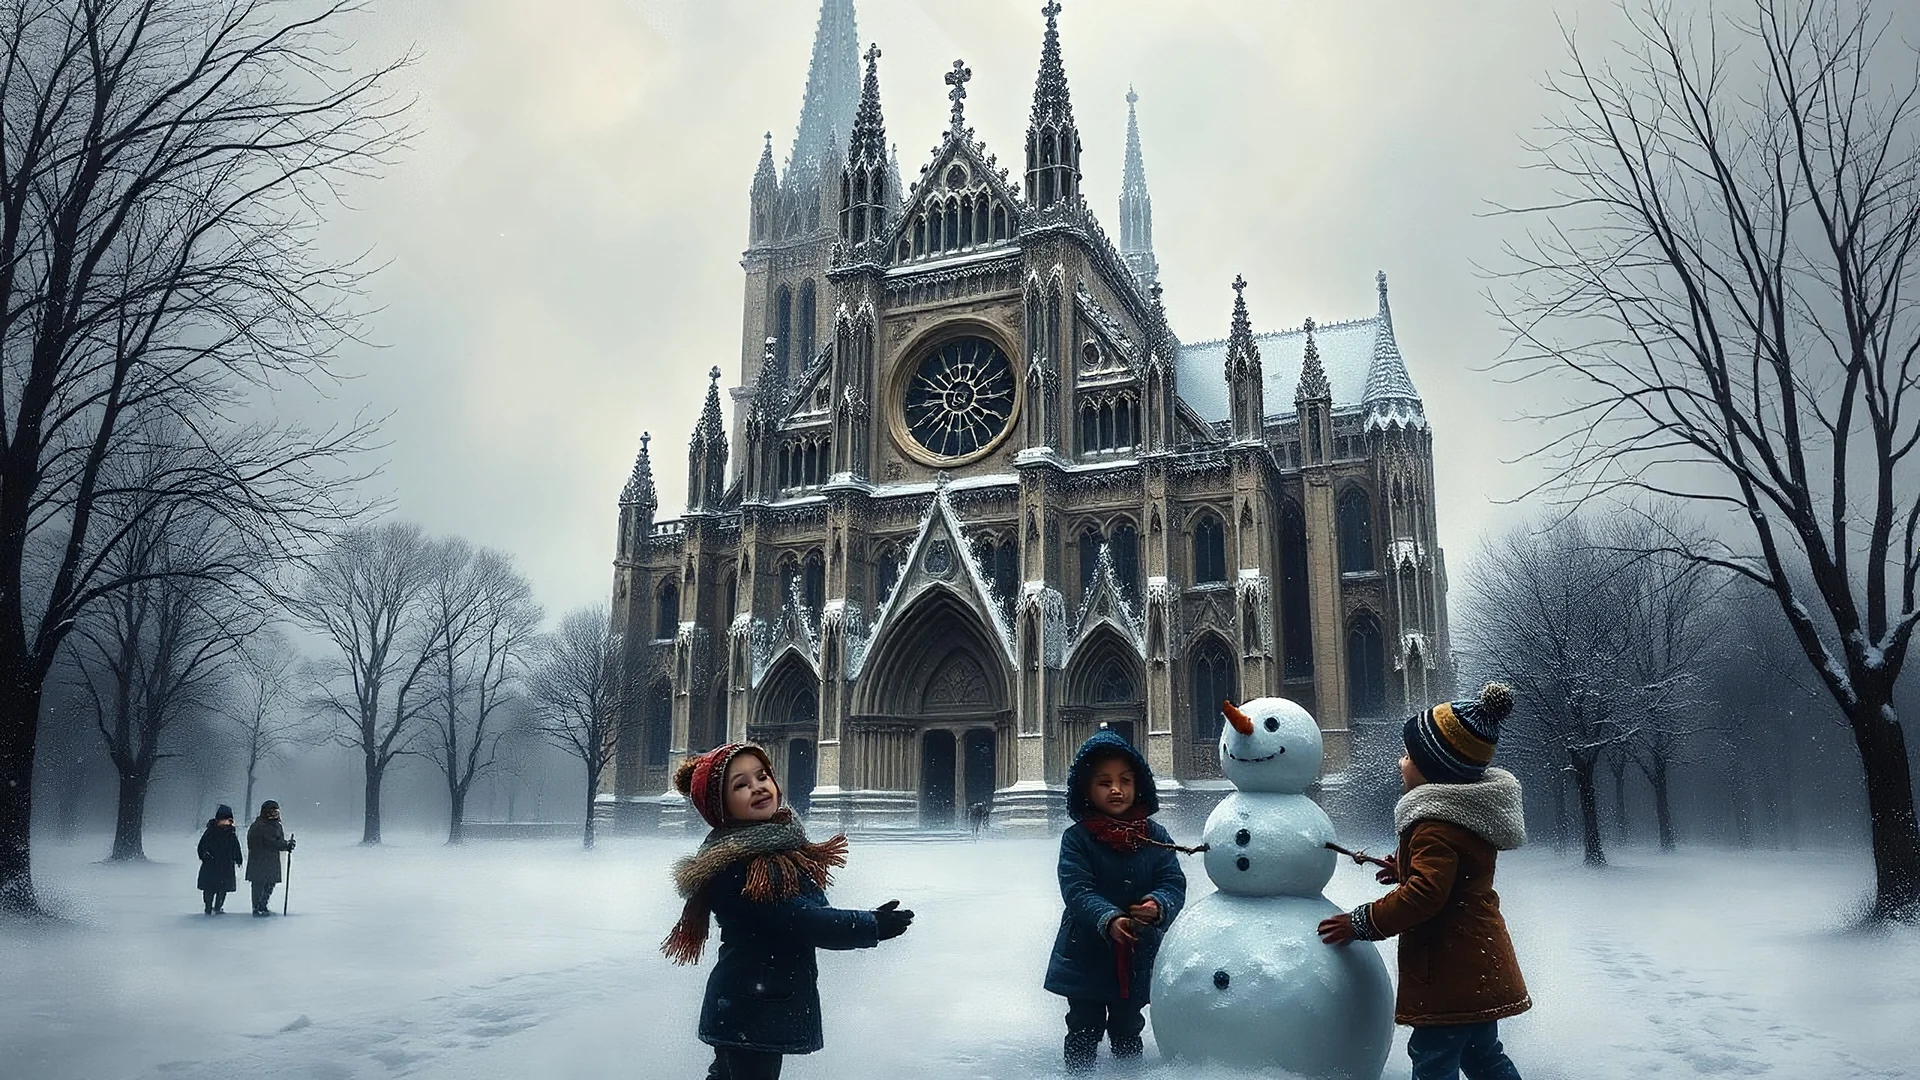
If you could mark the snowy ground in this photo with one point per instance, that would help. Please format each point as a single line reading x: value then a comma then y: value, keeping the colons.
x: 533, y: 961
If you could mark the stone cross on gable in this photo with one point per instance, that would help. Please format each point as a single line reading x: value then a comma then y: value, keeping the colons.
x: 958, y: 79
x: 714, y: 375
x: 873, y: 53
x: 1239, y: 284
x: 1052, y: 10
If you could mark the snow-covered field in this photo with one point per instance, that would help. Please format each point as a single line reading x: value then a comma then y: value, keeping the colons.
x: 536, y: 960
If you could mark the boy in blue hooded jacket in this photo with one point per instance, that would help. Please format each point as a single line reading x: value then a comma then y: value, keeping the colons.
x: 1122, y: 883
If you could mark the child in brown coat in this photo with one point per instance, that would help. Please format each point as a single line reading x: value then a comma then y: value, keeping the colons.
x: 1458, y: 973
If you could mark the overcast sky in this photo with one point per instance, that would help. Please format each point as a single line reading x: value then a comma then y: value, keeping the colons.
x: 563, y: 239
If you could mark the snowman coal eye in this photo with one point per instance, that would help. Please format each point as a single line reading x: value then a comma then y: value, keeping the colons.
x: 1273, y: 724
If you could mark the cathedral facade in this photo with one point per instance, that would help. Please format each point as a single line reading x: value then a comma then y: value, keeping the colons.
x: 977, y: 499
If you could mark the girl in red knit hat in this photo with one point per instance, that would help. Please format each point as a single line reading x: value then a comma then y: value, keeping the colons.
x: 766, y: 882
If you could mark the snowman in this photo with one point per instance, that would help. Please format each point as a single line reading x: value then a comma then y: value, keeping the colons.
x: 1242, y: 977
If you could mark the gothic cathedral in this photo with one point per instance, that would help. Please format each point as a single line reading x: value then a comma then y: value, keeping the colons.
x: 979, y: 499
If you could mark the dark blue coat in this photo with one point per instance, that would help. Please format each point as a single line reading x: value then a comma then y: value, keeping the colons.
x: 1098, y: 883
x: 219, y: 854
x: 764, y: 992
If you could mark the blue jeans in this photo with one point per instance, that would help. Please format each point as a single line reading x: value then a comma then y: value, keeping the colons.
x: 1444, y: 1053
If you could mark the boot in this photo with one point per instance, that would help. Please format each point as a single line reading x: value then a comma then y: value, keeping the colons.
x: 1081, y: 1048
x: 1128, y: 1047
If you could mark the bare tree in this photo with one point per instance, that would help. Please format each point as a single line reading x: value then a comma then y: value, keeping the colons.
x: 1672, y: 615
x: 1724, y: 284
x: 262, y: 711
x: 155, y: 651
x: 483, y: 619
x: 579, y: 692
x: 1540, y: 613
x: 162, y: 164
x: 368, y: 595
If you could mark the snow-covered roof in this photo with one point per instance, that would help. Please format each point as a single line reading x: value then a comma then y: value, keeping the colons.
x: 1346, y: 349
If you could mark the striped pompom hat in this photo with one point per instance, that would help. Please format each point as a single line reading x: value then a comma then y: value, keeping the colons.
x: 1452, y: 743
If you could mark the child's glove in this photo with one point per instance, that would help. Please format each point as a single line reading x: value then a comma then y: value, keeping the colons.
x: 891, y: 920
x: 1337, y: 929
x: 1390, y: 873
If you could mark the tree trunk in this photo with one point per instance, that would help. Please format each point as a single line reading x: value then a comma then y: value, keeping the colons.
x: 66, y: 806
x: 1620, y: 797
x: 130, y: 819
x: 1662, y: 804
x: 1560, y: 812
x: 19, y: 727
x: 246, y: 804
x: 457, y: 796
x: 1589, y: 814
x: 371, y: 835
x: 1896, y: 834
x: 586, y: 840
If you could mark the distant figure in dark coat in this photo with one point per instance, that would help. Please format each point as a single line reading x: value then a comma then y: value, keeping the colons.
x: 759, y: 875
x: 219, y: 855
x: 1122, y: 884
x: 265, y: 841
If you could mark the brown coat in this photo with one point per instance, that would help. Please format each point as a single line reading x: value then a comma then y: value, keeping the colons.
x: 1457, y: 964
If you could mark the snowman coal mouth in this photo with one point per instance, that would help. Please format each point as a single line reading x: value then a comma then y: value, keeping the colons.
x: 1256, y: 760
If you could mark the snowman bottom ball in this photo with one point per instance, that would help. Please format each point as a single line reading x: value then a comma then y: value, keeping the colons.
x: 1246, y: 981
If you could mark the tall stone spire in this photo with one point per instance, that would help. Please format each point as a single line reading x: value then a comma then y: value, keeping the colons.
x: 1136, y: 208
x: 707, y: 454
x: 1390, y: 396
x: 864, y: 202
x: 639, y: 492
x: 1246, y: 383
x: 638, y: 504
x: 833, y: 93
x: 1313, y: 405
x: 1053, y: 140
x: 765, y: 199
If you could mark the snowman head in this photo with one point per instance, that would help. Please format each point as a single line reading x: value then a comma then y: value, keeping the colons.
x: 1270, y: 744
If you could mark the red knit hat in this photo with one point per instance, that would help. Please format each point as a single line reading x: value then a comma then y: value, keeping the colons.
x: 703, y: 779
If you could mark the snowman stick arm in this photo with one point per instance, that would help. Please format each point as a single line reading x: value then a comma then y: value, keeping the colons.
x: 1358, y: 856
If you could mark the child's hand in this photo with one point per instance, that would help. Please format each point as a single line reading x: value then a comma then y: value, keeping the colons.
x: 1337, y: 929
x: 1146, y: 911
x: 891, y: 921
x: 1122, y: 930
x: 1390, y: 873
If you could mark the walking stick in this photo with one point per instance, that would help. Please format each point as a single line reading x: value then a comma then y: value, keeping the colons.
x: 286, y: 898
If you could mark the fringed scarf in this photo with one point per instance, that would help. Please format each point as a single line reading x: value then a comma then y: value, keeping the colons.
x: 783, y: 864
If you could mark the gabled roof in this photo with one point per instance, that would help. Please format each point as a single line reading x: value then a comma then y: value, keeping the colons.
x: 1346, y: 351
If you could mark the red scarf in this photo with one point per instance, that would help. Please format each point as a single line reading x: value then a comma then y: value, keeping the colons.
x: 1125, y: 835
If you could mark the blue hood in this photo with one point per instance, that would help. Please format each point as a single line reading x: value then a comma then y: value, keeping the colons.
x: 1146, y: 796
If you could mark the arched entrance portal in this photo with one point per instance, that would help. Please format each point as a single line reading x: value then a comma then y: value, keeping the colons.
x: 934, y: 698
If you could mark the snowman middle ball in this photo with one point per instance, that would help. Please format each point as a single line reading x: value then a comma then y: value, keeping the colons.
x: 1262, y: 844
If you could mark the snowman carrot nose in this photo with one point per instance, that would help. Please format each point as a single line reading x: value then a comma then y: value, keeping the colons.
x: 1241, y: 722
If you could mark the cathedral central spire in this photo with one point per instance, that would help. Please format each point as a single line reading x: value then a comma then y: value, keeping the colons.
x: 833, y: 91
x: 1136, y: 208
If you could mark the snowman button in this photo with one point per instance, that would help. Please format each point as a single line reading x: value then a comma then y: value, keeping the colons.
x: 1242, y: 862
x: 1221, y: 979
x: 1243, y: 838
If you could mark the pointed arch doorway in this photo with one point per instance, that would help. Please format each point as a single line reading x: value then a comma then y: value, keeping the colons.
x: 933, y: 709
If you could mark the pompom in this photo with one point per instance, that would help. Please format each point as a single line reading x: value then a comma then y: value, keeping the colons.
x: 1496, y: 699
x: 683, y: 776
